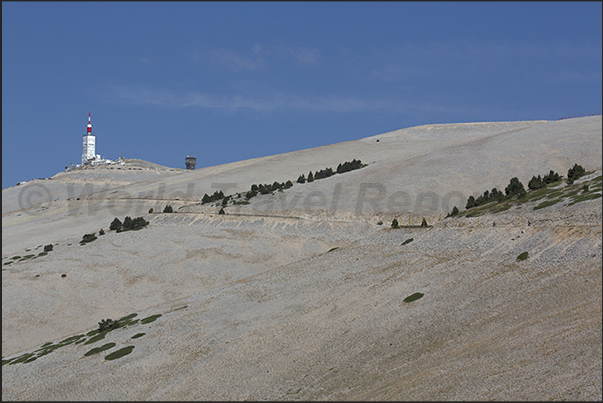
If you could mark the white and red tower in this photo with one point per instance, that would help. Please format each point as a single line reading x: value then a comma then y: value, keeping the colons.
x: 89, y: 144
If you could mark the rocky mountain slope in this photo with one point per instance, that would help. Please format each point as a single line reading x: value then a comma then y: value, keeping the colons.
x: 303, y: 294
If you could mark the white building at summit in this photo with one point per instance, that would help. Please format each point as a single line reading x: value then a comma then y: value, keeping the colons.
x: 89, y: 145
x: 89, y: 156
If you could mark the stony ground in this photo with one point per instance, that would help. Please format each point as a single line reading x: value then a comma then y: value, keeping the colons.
x: 306, y: 304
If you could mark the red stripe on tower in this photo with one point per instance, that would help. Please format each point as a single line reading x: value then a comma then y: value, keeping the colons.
x: 89, y: 125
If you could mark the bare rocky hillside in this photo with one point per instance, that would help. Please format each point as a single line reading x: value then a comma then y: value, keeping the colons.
x: 308, y: 293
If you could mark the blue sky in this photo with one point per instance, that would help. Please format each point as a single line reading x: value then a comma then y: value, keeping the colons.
x: 228, y: 81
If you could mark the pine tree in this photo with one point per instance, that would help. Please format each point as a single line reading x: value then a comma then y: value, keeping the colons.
x: 535, y: 183
x: 127, y: 223
x: 395, y: 223
x: 115, y: 224
x: 514, y: 187
x: 575, y: 172
x: 310, y: 177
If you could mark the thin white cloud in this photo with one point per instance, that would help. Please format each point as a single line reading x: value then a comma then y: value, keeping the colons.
x: 257, y: 103
x: 231, y: 60
x: 235, y: 61
x: 414, y: 60
x: 257, y: 58
x: 301, y: 54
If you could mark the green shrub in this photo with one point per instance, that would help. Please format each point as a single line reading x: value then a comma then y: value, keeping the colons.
x: 413, y: 297
x: 88, y: 238
x: 101, y: 232
x: 150, y: 319
x: 97, y: 350
x: 395, y: 223
x: 119, y: 353
x: 409, y: 240
x: 168, y: 209
x: 522, y: 256
x: 151, y: 210
x: 48, y: 248
x: 127, y: 317
x: 106, y: 324
x: 221, y: 211
x: 137, y: 335
x: 96, y: 338
x: 424, y: 223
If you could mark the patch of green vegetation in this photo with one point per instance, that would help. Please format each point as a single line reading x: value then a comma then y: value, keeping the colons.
x: 413, y: 297
x: 22, y: 358
x: 572, y: 193
x: 130, y: 316
x: 137, y: 335
x: 93, y: 332
x: 504, y: 207
x: 581, y: 198
x: 16, y: 257
x: 71, y: 339
x: 119, y: 353
x: 546, y: 204
x: 97, y: 350
x: 150, y: 319
x: 42, y: 253
x: 5, y: 263
x: 409, y: 240
x: 129, y: 322
x: 522, y: 256
x: 96, y: 338
x: 332, y: 249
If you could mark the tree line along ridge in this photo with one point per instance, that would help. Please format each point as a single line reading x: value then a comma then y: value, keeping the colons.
x: 516, y: 188
x: 276, y: 186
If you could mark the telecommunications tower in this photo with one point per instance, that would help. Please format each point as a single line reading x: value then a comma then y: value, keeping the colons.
x: 89, y: 144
